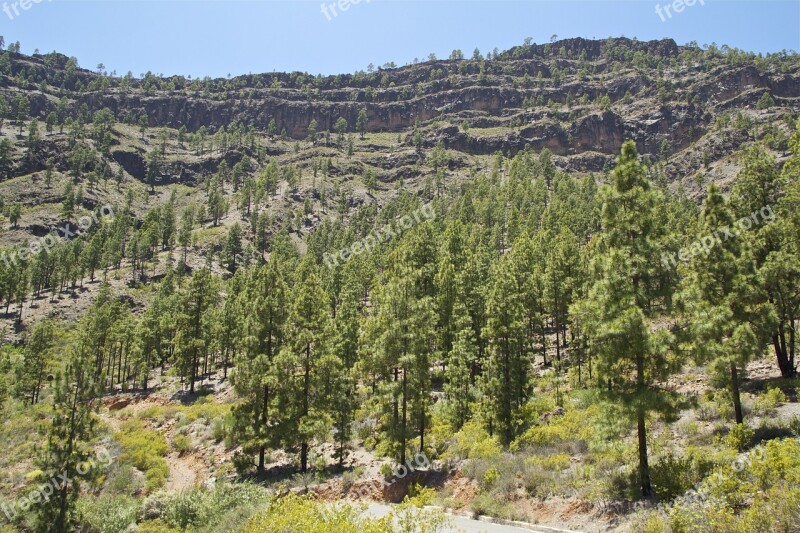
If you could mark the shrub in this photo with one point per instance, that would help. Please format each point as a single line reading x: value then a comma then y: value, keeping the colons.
x: 556, y: 462
x: 145, y: 450
x: 473, y: 442
x: 484, y: 505
x: 154, y: 506
x: 123, y: 480
x: 770, y: 400
x: 765, y: 102
x: 204, y: 508
x: 219, y: 428
x: 794, y: 425
x: 672, y: 476
x: 108, y: 513
x: 490, y: 478
x: 387, y: 472
x: 575, y: 425
x: 540, y: 483
x: 651, y: 522
x: 294, y: 513
x: 420, y: 496
x: 707, y: 411
x: 181, y: 443
x: 740, y: 437
x: 156, y: 526
x: 778, y: 460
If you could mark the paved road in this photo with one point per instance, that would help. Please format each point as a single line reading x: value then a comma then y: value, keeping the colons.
x: 459, y: 523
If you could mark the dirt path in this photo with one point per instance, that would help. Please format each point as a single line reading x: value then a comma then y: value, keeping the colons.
x: 182, y: 475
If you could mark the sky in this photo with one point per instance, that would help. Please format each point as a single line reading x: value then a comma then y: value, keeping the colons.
x: 221, y: 37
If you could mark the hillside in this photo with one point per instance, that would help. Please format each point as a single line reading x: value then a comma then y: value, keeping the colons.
x: 245, y: 301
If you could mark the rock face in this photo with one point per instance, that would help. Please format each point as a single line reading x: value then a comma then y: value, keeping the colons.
x: 578, y: 98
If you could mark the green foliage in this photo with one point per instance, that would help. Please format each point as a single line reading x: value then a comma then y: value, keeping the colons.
x: 145, y: 449
x: 756, y: 493
x: 631, y: 356
x: 181, y: 443
x: 294, y: 513
x: 489, y: 478
x: 473, y: 442
x: 107, y: 514
x: 521, y: 266
x: 577, y: 425
x: 740, y: 437
x: 204, y: 510
x: 672, y: 476
x: 770, y: 400
x: 70, y: 432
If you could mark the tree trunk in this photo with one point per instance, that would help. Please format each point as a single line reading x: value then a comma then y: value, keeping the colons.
x: 737, y: 401
x: 644, y: 467
x: 264, y: 418
x: 422, y: 430
x: 779, y: 344
x: 403, y: 426
x: 792, y: 370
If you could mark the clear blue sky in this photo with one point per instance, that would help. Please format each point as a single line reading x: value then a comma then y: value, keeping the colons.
x: 221, y: 37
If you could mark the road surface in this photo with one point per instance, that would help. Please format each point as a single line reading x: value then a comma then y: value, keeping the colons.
x: 460, y: 523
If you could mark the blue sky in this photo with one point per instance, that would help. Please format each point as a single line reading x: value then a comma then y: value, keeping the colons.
x: 221, y: 37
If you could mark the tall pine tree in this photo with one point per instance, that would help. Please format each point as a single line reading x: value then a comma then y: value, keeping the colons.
x: 618, y: 314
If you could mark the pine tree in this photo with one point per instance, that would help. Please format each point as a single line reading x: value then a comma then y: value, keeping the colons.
x: 347, y: 318
x: 306, y: 363
x: 777, y: 241
x: 255, y: 382
x: 400, y: 338
x: 361, y: 123
x: 506, y: 378
x: 76, y: 396
x: 618, y: 312
x: 728, y: 317
x: 193, y: 325
x: 462, y: 358
x: 36, y: 355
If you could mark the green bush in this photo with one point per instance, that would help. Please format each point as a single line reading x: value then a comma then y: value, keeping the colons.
x: 540, y: 483
x: 181, y: 443
x: 220, y: 428
x: 770, y: 400
x: 490, y: 477
x: 122, y: 480
x: 144, y: 449
x: 794, y: 426
x: 484, y: 505
x: 107, y: 513
x: 777, y: 461
x: 387, y: 472
x: 473, y: 442
x: 156, y: 526
x: 205, y: 508
x: 740, y: 437
x: 294, y: 513
x: 672, y: 476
